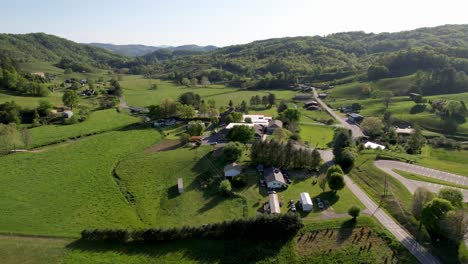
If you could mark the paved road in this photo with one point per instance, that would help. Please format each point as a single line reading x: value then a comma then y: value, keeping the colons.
x: 418, y: 251
x: 355, y: 129
x: 412, y: 185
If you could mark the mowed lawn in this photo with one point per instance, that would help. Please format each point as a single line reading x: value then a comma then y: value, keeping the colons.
x: 152, y: 181
x: 317, y: 135
x: 29, y: 102
x: 454, y: 161
x: 138, y: 93
x: 98, y: 121
x: 69, y: 187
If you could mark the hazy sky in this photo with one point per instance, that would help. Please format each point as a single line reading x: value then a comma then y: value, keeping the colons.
x: 219, y: 22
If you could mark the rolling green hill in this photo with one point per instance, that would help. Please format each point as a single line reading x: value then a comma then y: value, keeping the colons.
x: 49, y: 48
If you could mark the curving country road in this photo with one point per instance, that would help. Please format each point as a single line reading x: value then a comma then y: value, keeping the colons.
x: 405, y: 238
x: 389, y: 165
x: 418, y: 251
x: 355, y: 129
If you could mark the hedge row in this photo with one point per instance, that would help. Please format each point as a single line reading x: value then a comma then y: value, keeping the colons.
x: 260, y: 228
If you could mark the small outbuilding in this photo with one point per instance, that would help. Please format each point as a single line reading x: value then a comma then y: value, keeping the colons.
x: 180, y: 185
x: 306, y: 202
x: 273, y: 125
x: 274, y: 203
x: 232, y: 170
x: 413, y: 96
x: 302, y: 97
x: 373, y: 145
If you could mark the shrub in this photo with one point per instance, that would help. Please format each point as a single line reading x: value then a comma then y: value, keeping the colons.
x: 354, y: 211
x: 225, y: 188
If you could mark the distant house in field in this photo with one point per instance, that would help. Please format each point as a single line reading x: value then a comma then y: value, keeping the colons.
x: 302, y: 97
x: 322, y: 95
x: 232, y: 170
x: 273, y: 125
x: 83, y: 82
x: 274, y: 178
x: 67, y: 114
x: 258, y: 131
x: 373, y: 145
x: 40, y: 74
x: 180, y: 185
x: 258, y: 119
x: 306, y: 202
x: 273, y: 201
x: 313, y: 108
x: 310, y: 103
x: 346, y: 109
x: 404, y: 131
x: 413, y: 96
x: 357, y: 118
x: 231, y: 125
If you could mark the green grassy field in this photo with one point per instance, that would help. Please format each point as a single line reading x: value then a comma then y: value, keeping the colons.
x: 316, y: 135
x: 16, y: 250
x: 138, y: 93
x: 161, y: 205
x: 454, y: 161
x: 98, y: 121
x: 29, y: 102
x: 69, y: 187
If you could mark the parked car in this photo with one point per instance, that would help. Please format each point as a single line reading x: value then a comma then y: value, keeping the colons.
x: 214, y: 143
x: 291, y: 202
x: 293, y: 208
x: 320, y: 204
x: 288, y: 181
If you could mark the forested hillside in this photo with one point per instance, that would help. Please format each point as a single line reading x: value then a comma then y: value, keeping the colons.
x: 64, y: 53
x: 141, y: 50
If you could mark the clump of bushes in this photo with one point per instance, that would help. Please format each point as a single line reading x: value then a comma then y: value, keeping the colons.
x: 239, y: 181
x: 255, y: 229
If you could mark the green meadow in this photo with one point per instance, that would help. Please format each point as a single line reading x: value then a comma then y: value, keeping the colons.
x: 69, y: 187
x: 97, y: 122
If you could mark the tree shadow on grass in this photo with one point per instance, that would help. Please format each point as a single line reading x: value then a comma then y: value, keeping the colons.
x: 329, y: 198
x: 198, y: 250
x: 345, y: 231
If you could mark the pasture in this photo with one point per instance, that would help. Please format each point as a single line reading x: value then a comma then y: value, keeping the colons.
x: 151, y: 180
x: 97, y: 122
x: 138, y: 92
x: 69, y: 187
x: 316, y: 135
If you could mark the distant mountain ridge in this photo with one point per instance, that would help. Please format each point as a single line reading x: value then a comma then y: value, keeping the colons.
x: 137, y: 50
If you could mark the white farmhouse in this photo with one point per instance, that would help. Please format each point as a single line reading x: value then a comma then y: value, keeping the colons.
x: 274, y: 178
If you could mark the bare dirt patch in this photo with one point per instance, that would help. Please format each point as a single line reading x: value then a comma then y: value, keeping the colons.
x: 165, y: 145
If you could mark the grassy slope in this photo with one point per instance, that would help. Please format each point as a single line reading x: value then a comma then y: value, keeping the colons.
x: 69, y: 187
x: 161, y: 205
x: 316, y: 135
x: 98, y: 121
x: 445, y: 160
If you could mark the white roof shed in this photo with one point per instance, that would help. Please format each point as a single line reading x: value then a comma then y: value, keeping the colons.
x: 306, y: 202
x: 274, y: 203
x: 373, y: 145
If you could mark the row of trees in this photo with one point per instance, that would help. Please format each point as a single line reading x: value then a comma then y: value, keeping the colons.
x: 343, y: 147
x: 442, y: 215
x: 259, y: 228
x: 272, y: 153
x: 266, y: 100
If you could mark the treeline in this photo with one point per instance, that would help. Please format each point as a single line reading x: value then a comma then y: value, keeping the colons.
x: 266, y: 227
x: 272, y: 153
